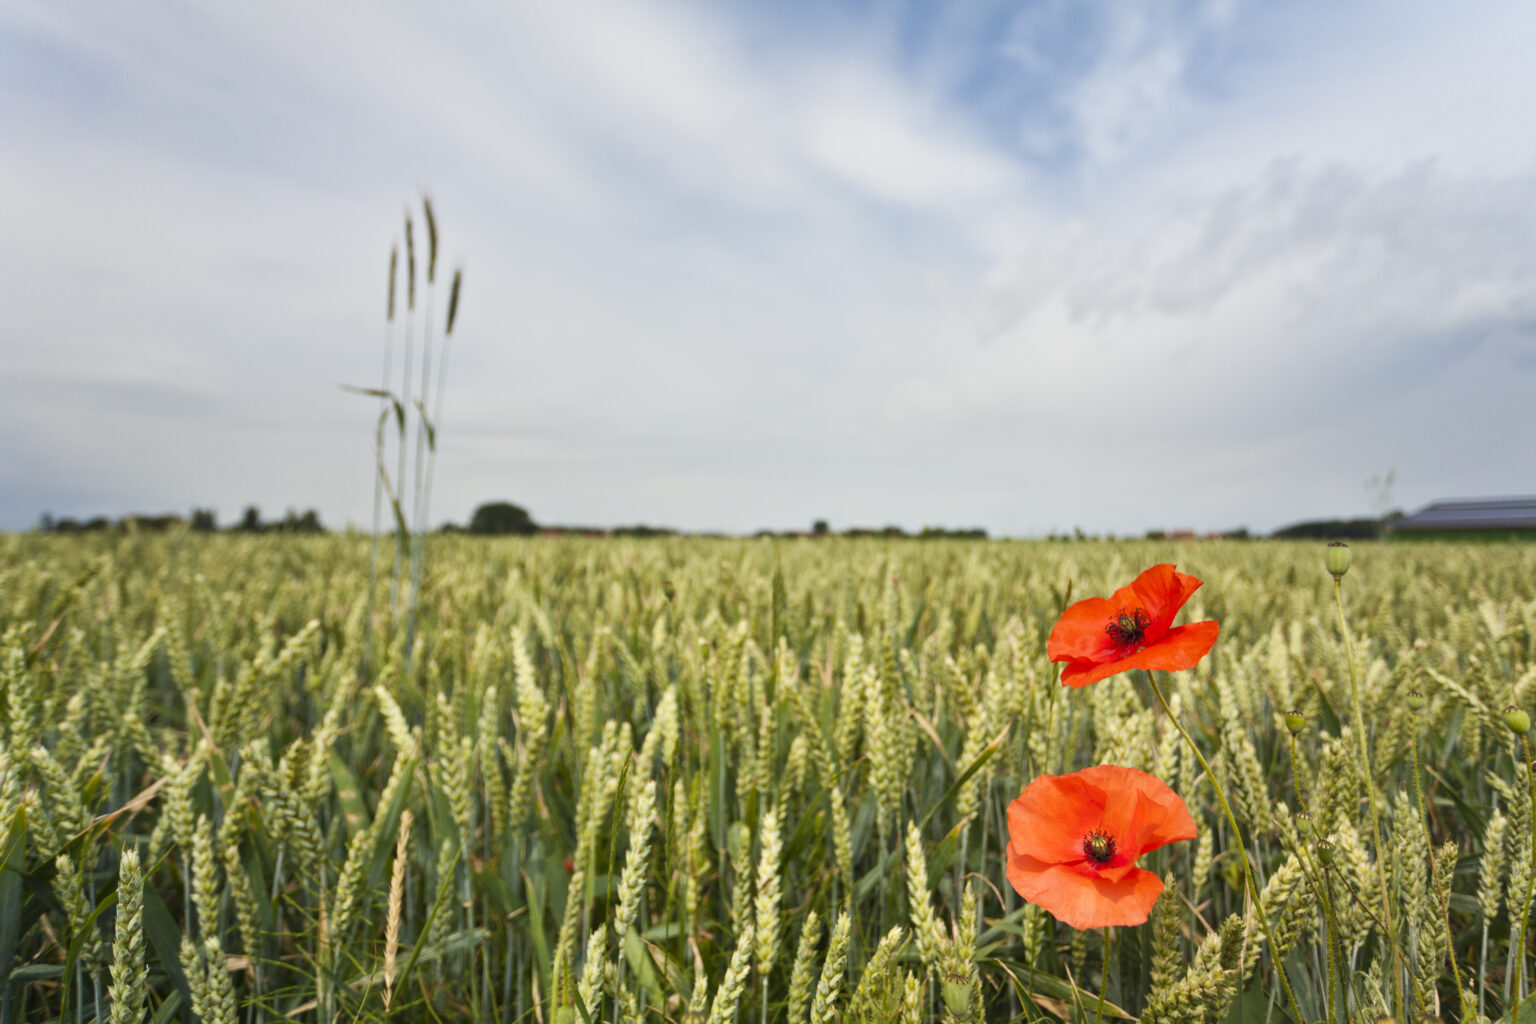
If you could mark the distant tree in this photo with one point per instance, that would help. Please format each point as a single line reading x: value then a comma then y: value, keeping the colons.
x: 642, y: 530
x: 293, y: 522
x: 250, y: 522
x: 150, y: 524
x: 942, y: 533
x: 1331, y: 529
x: 45, y: 523
x: 204, y: 520
x: 820, y: 528
x: 502, y: 517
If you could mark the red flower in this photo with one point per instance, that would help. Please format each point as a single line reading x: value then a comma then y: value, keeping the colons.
x: 1073, y: 841
x: 1101, y: 637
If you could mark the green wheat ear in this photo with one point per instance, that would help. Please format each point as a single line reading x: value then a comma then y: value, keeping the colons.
x: 394, y: 265
x: 410, y: 264
x: 453, y: 300
x: 426, y: 206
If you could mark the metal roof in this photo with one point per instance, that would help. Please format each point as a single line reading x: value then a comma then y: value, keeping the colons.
x: 1473, y: 514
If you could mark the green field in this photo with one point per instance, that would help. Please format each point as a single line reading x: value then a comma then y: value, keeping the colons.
x: 707, y: 780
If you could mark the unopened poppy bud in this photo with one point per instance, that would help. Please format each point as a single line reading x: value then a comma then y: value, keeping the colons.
x: 1416, y: 701
x: 1295, y: 721
x: 957, y: 995
x: 1337, y: 559
x: 1518, y: 721
x: 1324, y: 852
x: 668, y: 590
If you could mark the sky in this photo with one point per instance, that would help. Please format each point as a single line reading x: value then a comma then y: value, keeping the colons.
x: 1027, y: 266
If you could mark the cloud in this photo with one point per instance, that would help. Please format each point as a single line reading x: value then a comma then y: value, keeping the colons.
x: 742, y: 265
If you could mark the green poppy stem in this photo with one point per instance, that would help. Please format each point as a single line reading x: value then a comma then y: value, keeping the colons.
x: 1301, y: 804
x: 1109, y: 947
x: 1530, y: 883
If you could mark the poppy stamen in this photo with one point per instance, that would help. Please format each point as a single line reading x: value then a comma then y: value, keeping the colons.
x: 1099, y: 847
x: 1129, y: 628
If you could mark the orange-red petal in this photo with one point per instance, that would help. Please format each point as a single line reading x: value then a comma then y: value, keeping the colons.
x: 1050, y: 818
x: 1160, y: 592
x: 1180, y: 648
x: 1079, y: 901
x: 1079, y: 633
x: 1081, y: 673
x: 1048, y: 822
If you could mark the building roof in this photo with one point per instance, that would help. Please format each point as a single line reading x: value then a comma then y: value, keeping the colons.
x: 1473, y: 514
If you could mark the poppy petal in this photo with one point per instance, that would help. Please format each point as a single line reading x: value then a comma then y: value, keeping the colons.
x: 1082, y: 902
x: 1161, y: 592
x: 1079, y: 633
x: 1157, y: 814
x: 1142, y: 811
x: 1082, y: 672
x: 1181, y: 648
x: 1050, y: 818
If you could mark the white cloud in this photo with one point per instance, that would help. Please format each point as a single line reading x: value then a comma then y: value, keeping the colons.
x: 991, y: 265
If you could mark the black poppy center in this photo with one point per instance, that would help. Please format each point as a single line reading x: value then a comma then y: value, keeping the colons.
x: 1129, y: 628
x: 1099, y: 847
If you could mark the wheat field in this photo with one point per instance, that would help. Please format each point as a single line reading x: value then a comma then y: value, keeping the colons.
x: 702, y: 780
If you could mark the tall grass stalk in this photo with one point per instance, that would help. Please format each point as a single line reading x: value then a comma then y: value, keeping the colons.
x: 413, y: 474
x: 423, y: 428
x: 379, y: 464
x: 404, y: 400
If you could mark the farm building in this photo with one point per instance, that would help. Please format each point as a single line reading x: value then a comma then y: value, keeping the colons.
x: 1498, y: 515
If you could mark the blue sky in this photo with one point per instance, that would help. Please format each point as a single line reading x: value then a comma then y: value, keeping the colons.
x: 1025, y: 266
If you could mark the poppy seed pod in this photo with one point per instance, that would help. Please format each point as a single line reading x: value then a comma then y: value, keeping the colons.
x: 1337, y: 559
x: 1518, y: 721
x: 1295, y: 721
x: 1324, y: 852
x: 1416, y: 701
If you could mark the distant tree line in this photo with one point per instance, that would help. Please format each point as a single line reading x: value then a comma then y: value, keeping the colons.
x: 202, y: 520
x: 820, y: 528
x: 505, y: 519
x: 1338, y: 529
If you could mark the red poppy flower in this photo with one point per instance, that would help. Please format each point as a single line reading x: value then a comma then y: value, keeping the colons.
x: 1073, y: 841
x: 1101, y: 637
